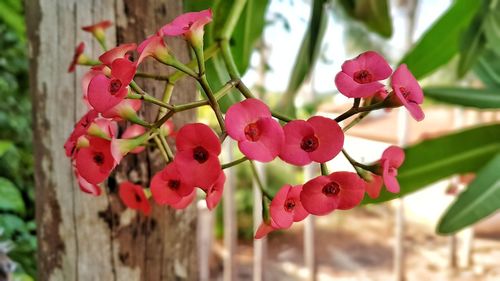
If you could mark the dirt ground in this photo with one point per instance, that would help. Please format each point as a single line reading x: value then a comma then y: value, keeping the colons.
x: 358, y: 245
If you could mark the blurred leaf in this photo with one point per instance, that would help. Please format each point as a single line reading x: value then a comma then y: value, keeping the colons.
x: 441, y: 41
x: 488, y: 69
x: 5, y: 146
x: 11, y: 223
x: 374, y: 14
x: 436, y: 159
x: 308, y: 54
x: 10, y: 197
x: 492, y: 26
x: 479, y: 98
x: 12, y: 16
x: 479, y: 200
x: 472, y: 43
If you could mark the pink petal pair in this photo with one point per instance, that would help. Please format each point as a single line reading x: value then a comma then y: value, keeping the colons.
x: 104, y: 93
x: 318, y: 139
x: 133, y: 196
x: 259, y: 136
x: 153, y: 46
x: 169, y: 187
x: 408, y: 92
x: 188, y: 23
x: 214, y: 193
x: 360, y: 76
x: 95, y: 162
x: 392, y: 158
x: 76, y: 56
x: 339, y: 190
x: 286, y: 207
x: 198, y: 148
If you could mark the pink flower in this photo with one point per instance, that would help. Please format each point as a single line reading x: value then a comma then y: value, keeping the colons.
x: 98, y: 27
x: 102, y: 128
x: 77, y: 57
x: 259, y: 136
x: 408, y: 91
x: 188, y: 23
x: 373, y: 184
x: 104, y: 93
x: 197, y: 155
x: 86, y: 186
x: 134, y: 131
x: 168, y: 186
x: 155, y: 47
x: 392, y: 158
x: 339, y: 190
x: 214, y: 193
x: 133, y: 196
x: 120, y: 52
x: 318, y: 139
x: 95, y: 162
x: 360, y: 76
x: 80, y: 129
x: 286, y: 207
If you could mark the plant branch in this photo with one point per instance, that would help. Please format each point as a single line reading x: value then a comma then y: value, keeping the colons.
x: 234, y: 163
x: 259, y: 182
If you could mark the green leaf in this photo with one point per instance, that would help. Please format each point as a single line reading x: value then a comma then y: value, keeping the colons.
x: 10, y: 197
x: 441, y: 41
x: 247, y: 32
x: 479, y: 98
x: 307, y: 56
x: 5, y: 146
x: 480, y: 200
x: 436, y: 159
x: 374, y: 14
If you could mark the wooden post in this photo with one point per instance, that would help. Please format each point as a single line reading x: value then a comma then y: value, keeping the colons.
x: 259, y: 245
x: 229, y: 209
x: 81, y: 237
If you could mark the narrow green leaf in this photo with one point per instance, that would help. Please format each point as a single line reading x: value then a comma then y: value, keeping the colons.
x: 480, y: 200
x: 10, y: 197
x: 479, y: 98
x: 374, y: 14
x: 439, y: 158
x: 473, y: 43
x: 12, y: 17
x: 307, y: 56
x: 441, y: 41
x: 492, y: 26
x: 488, y: 69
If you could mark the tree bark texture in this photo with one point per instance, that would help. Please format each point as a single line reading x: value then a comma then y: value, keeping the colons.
x: 82, y: 237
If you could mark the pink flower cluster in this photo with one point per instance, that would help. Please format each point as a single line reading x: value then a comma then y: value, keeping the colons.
x: 96, y: 147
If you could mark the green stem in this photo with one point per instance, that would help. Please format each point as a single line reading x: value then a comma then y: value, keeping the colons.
x: 167, y: 94
x: 213, y: 102
x: 259, y: 182
x: 234, y: 163
x: 208, y: 53
x: 152, y: 76
x: 324, y: 169
x: 356, y: 110
x: 281, y: 117
x: 228, y: 58
x: 198, y: 52
x: 356, y: 164
x: 161, y: 148
x: 218, y: 95
x: 355, y: 121
x: 232, y: 19
x: 164, y: 142
x: 143, y: 95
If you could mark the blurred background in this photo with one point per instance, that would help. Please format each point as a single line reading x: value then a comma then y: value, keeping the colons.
x: 289, y: 52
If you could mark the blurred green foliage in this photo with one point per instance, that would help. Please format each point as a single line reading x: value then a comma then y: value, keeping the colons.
x: 17, y: 208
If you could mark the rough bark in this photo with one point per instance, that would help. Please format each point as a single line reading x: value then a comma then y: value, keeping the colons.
x: 83, y: 237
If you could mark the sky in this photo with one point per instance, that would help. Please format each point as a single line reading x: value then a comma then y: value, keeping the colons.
x: 284, y: 45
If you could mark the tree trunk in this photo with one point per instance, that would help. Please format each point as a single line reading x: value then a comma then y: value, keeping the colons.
x: 96, y: 238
